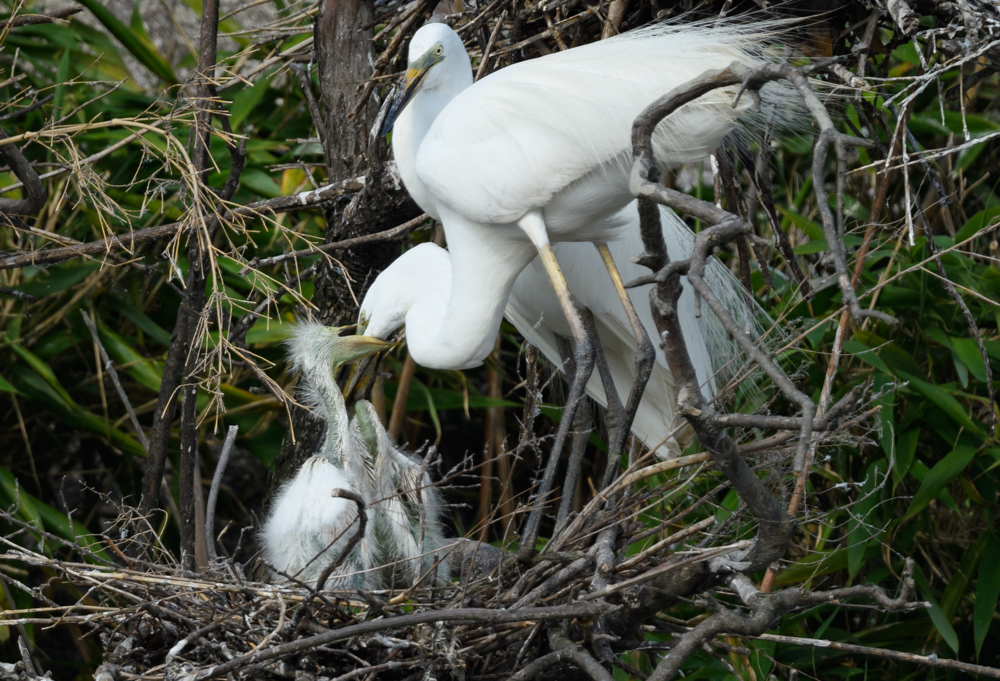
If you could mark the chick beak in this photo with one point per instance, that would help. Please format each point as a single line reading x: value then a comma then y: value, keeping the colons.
x: 362, y: 358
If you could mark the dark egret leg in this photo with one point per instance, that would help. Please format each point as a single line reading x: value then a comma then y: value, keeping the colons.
x: 534, y: 226
x: 583, y: 424
x: 618, y: 429
x: 643, y: 359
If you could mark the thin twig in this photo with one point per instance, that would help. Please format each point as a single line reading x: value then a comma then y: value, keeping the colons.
x: 213, y: 494
x: 109, y: 367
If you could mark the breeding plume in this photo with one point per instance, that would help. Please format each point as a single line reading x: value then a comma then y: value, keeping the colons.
x: 308, y: 528
x: 534, y: 310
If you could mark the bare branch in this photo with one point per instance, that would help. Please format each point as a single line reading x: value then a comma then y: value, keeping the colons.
x: 24, y: 171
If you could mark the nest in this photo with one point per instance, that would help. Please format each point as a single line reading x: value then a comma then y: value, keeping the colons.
x: 158, y: 621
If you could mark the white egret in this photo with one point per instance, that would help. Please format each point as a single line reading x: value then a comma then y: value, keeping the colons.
x: 538, y: 152
x: 307, y: 527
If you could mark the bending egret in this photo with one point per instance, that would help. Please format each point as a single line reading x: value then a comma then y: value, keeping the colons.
x: 534, y: 310
x: 308, y: 528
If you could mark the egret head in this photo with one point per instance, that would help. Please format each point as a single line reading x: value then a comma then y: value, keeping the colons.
x: 432, y: 45
x: 421, y: 272
x: 313, y: 343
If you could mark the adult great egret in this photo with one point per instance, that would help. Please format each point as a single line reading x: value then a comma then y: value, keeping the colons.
x: 307, y: 527
x: 536, y: 153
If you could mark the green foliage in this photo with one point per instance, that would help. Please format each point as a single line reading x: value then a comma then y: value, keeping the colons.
x: 923, y: 484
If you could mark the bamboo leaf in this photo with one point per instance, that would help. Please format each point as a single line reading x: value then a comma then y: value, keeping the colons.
x: 143, y: 50
x: 937, y: 616
x: 942, y: 400
x: 943, y: 472
x: 968, y: 351
x: 987, y: 592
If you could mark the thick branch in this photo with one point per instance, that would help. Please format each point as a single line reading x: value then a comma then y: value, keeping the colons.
x: 766, y: 608
x: 33, y: 186
x: 34, y: 19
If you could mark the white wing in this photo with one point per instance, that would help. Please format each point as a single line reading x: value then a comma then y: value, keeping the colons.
x: 513, y: 140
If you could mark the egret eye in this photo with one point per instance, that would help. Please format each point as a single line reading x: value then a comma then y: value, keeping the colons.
x: 438, y: 51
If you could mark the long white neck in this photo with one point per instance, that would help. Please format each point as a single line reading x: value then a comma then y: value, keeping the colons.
x: 410, y: 128
x: 451, y: 303
x: 458, y: 331
x: 311, y: 351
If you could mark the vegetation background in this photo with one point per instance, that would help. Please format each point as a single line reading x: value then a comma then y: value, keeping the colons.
x: 96, y: 104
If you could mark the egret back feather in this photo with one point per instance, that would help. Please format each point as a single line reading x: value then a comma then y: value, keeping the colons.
x: 542, y: 125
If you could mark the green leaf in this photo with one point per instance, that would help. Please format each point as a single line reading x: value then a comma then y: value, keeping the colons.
x: 259, y: 181
x: 6, y: 387
x: 907, y: 53
x: 906, y: 449
x: 811, y: 229
x: 867, y: 355
x: 941, y: 399
x: 45, y: 517
x: 431, y: 410
x: 884, y: 387
x: 62, y: 75
x: 55, y: 279
x: 958, y: 585
x: 142, y: 321
x: 863, y: 531
x: 35, y: 387
x: 811, y: 247
x: 977, y: 222
x: 937, y: 616
x: 987, y: 592
x: 727, y: 507
x: 816, y: 565
x: 762, y: 658
x: 968, y: 351
x: 943, y: 472
x: 15, y: 494
x: 247, y: 100
x: 798, y: 144
x: 42, y: 369
x: 142, y: 49
x: 145, y: 371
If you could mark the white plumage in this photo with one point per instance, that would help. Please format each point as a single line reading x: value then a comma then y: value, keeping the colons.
x: 540, y: 152
x: 307, y: 528
x: 535, y: 153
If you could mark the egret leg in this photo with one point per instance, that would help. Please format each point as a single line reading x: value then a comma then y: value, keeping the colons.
x: 643, y: 359
x: 534, y: 226
x: 582, y: 425
x: 615, y: 417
